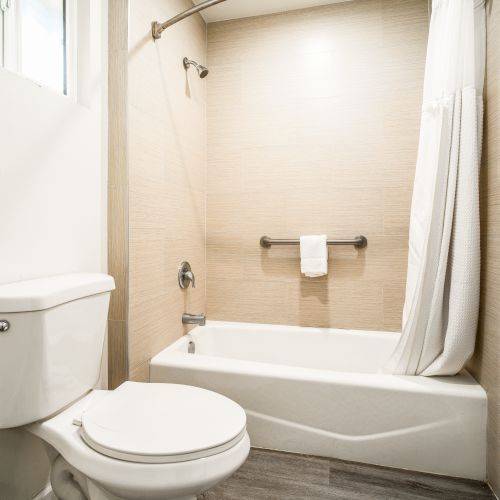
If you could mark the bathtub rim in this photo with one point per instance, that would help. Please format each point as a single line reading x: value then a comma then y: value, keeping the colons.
x: 462, y: 385
x: 303, y: 329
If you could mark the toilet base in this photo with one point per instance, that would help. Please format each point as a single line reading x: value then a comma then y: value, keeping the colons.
x: 68, y: 482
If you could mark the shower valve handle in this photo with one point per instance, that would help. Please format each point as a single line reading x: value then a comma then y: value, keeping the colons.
x: 185, y: 275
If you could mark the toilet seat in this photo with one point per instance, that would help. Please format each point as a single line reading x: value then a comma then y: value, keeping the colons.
x: 162, y: 423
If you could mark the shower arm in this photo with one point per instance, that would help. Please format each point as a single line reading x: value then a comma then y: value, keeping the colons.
x: 158, y: 28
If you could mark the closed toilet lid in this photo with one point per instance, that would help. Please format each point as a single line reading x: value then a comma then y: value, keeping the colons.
x: 162, y: 423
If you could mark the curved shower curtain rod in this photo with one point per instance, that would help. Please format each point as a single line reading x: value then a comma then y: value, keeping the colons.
x: 158, y: 28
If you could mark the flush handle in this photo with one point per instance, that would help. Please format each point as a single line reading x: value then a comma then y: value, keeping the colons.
x: 4, y: 325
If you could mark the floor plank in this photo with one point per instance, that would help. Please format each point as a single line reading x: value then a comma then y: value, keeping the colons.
x: 274, y: 475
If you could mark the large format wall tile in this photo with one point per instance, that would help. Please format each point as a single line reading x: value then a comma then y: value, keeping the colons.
x: 313, y: 124
x: 167, y: 159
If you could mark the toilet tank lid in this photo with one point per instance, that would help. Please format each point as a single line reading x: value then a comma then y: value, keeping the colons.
x: 44, y: 293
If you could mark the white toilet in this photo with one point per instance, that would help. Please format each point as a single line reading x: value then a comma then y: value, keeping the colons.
x: 140, y: 441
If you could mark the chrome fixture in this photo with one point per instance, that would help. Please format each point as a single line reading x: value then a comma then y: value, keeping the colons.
x: 194, y: 319
x: 185, y: 276
x: 202, y: 71
x: 191, y: 344
x: 158, y: 28
x: 358, y: 242
x: 4, y: 325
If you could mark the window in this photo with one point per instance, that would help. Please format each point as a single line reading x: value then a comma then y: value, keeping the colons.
x: 33, y: 40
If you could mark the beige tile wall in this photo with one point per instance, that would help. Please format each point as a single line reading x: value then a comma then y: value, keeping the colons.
x: 313, y: 123
x: 167, y: 157
x: 486, y: 363
x: 118, y: 192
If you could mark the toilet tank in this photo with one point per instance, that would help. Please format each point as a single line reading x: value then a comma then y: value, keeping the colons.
x: 50, y: 354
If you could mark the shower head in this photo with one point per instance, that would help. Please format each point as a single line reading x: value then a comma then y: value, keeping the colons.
x: 202, y: 71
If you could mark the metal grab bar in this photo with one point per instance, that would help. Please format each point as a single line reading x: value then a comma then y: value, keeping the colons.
x: 358, y: 242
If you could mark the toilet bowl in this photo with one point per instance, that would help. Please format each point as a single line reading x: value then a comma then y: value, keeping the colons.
x: 148, y: 441
x: 138, y: 442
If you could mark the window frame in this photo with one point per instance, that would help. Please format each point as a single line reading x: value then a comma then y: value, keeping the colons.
x: 10, y: 44
x: 3, y: 6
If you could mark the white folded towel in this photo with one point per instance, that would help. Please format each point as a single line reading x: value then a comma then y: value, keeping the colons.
x: 314, y: 255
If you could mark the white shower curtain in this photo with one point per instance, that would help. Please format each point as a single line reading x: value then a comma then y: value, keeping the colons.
x: 442, y: 290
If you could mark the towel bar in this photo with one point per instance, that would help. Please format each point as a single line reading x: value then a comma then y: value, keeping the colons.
x: 358, y: 242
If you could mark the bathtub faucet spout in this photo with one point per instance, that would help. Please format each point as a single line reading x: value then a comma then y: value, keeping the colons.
x: 194, y: 319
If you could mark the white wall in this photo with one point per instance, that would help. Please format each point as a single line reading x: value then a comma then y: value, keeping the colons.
x: 53, y: 173
x: 52, y: 167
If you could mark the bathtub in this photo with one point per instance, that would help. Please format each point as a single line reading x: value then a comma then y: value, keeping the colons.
x: 320, y: 392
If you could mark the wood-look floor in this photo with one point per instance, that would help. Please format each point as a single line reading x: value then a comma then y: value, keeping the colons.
x: 272, y: 475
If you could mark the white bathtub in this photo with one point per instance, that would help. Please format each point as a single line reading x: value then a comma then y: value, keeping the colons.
x: 319, y: 391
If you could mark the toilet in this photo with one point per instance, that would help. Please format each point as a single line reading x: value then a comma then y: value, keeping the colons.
x: 140, y: 441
